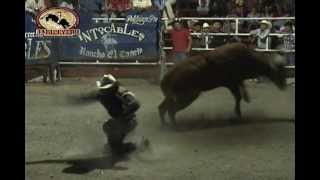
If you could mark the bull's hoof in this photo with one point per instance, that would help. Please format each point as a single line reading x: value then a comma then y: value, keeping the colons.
x: 247, y: 99
x: 175, y: 127
x: 164, y: 124
x: 235, y: 120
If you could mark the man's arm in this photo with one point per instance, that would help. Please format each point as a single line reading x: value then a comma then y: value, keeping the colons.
x: 189, y: 42
x: 30, y: 7
x: 264, y: 34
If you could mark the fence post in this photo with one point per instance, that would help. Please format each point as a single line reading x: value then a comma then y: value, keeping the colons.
x: 206, y: 41
x: 162, y: 60
x: 237, y: 26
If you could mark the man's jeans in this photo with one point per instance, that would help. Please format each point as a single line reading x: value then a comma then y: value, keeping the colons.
x: 179, y: 56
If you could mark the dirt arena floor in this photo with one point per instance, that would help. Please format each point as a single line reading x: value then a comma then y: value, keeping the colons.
x: 69, y: 140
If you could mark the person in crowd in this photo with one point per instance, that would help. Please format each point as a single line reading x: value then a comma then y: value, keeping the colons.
x: 232, y: 29
x: 92, y: 7
x: 181, y: 41
x: 217, y: 27
x: 288, y: 41
x: 261, y: 34
x: 187, y: 8
x: 266, y: 6
x: 217, y: 40
x: 159, y: 4
x: 66, y: 3
x: 196, y: 39
x: 168, y: 12
x: 226, y: 28
x: 253, y: 14
x: 203, y: 7
x: 141, y: 4
x: 232, y: 12
x: 266, y: 11
x: 218, y: 8
x: 206, y: 39
x: 290, y: 4
x: 240, y: 8
x: 32, y: 7
x: 251, y: 4
x: 119, y: 5
x: 192, y: 24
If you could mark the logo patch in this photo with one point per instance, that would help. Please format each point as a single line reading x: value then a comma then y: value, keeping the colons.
x: 57, y: 21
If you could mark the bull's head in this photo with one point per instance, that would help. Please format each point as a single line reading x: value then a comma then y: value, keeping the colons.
x: 278, y: 71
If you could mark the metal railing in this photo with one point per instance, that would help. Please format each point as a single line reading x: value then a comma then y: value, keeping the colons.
x: 161, y: 61
x: 236, y: 33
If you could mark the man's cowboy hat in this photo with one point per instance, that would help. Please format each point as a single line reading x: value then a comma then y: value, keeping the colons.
x: 269, y: 24
x: 106, y: 82
x: 205, y: 25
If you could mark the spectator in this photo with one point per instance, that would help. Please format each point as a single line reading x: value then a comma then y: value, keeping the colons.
x: 241, y: 11
x: 217, y: 40
x: 92, y: 7
x: 206, y: 39
x: 226, y: 28
x: 261, y: 37
x: 159, y: 4
x: 275, y: 11
x: 288, y: 41
x: 181, y: 41
x: 229, y: 26
x: 266, y: 4
x: 119, y: 5
x: 141, y: 4
x: 183, y: 7
x: 290, y: 4
x: 262, y: 34
x: 233, y: 38
x: 34, y: 6
x: 240, y: 8
x: 253, y: 14
x: 168, y: 11
x: 244, y: 27
x: 217, y: 27
x: 266, y: 11
x: 218, y: 8
x: 203, y: 7
x: 251, y: 4
x: 196, y: 27
x: 196, y: 39
x: 66, y: 3
x: 232, y: 11
x: 239, y: 3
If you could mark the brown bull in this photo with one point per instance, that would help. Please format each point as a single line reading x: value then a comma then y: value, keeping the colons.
x: 227, y: 66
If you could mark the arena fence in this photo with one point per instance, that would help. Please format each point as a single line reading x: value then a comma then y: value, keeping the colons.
x: 162, y: 60
x: 193, y: 34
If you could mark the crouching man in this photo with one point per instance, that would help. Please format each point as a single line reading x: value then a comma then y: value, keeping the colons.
x: 121, y: 105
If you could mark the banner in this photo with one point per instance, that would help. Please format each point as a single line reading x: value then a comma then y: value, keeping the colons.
x: 38, y: 49
x: 134, y: 39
